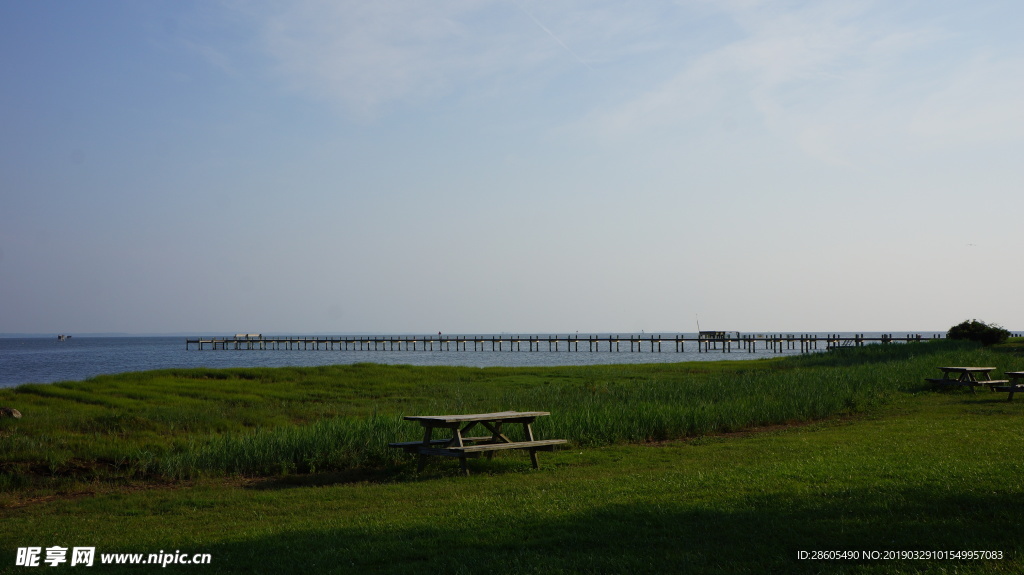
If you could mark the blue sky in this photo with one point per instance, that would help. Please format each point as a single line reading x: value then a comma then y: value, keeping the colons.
x: 509, y: 165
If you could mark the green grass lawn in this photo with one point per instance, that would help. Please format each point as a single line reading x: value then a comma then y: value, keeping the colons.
x: 892, y: 467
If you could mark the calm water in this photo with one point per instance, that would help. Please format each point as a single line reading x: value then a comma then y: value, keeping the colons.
x: 47, y: 360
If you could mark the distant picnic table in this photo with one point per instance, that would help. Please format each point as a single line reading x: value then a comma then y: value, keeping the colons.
x: 463, y: 446
x: 967, y: 376
x: 1015, y: 383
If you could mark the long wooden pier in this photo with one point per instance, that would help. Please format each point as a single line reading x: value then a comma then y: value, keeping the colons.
x: 705, y: 343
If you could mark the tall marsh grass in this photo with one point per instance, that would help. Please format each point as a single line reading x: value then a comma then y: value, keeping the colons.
x: 336, y: 443
x: 290, y: 420
x: 671, y: 408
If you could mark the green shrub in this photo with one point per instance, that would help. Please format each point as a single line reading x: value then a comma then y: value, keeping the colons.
x: 979, y: 331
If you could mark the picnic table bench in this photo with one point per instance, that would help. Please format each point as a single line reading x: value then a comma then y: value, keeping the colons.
x: 966, y: 376
x: 1013, y: 384
x: 462, y: 446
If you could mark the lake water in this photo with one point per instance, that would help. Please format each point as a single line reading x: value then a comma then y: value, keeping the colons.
x: 47, y: 360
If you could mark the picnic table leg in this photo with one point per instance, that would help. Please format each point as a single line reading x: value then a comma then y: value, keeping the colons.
x: 529, y: 437
x: 495, y: 437
x: 465, y: 466
x: 528, y: 431
x: 533, y: 458
x: 457, y: 437
x: 428, y: 432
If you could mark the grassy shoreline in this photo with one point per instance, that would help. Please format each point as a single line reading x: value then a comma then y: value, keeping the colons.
x: 893, y: 466
x: 177, y: 424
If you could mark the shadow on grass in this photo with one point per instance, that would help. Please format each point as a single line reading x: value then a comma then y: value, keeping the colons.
x: 758, y: 535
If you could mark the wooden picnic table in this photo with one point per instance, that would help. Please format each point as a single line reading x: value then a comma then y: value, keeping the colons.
x: 966, y: 376
x: 463, y: 446
x: 1015, y: 383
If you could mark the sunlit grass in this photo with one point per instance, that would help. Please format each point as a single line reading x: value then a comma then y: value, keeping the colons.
x: 925, y: 472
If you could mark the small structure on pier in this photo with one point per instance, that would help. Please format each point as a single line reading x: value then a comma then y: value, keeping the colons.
x: 718, y: 335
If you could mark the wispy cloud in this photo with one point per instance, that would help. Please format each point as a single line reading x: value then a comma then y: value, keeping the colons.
x: 552, y: 35
x: 835, y: 78
x: 366, y: 55
x: 362, y: 54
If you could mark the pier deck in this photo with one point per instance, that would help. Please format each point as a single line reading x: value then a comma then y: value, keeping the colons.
x: 775, y: 343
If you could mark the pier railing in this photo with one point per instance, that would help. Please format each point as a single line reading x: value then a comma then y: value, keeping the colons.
x: 749, y: 343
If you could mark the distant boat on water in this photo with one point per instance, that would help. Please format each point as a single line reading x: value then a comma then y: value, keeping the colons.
x: 63, y: 337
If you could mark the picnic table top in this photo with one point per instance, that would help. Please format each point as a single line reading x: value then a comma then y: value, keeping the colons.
x: 1014, y: 373
x: 965, y: 369
x: 501, y: 415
